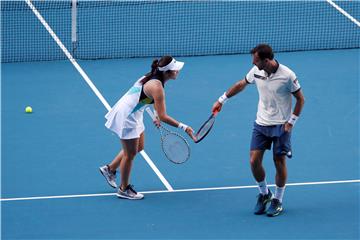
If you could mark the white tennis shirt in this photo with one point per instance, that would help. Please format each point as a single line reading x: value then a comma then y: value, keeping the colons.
x: 275, y: 94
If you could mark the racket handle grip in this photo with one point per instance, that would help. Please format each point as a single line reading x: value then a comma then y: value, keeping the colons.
x: 152, y: 115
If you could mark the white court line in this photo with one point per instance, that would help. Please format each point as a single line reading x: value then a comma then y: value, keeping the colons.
x: 152, y: 165
x: 342, y: 11
x: 180, y: 190
x: 68, y: 55
x: 91, y: 84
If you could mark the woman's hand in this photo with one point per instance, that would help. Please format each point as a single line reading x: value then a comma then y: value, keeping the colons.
x: 190, y: 132
x: 157, y: 122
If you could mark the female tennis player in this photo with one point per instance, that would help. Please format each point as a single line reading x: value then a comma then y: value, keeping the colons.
x: 126, y: 120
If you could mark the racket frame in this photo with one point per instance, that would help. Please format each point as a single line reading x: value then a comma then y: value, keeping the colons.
x: 212, y: 116
x: 163, y: 133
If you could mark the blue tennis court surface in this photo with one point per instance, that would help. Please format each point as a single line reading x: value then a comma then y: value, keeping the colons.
x: 51, y: 187
x: 56, y: 151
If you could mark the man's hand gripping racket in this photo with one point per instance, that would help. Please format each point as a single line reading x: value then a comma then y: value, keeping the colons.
x: 208, y: 124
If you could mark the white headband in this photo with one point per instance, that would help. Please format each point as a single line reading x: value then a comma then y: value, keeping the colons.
x: 173, y: 66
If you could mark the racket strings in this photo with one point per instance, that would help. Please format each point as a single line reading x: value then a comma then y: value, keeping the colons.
x: 174, y: 146
x: 164, y: 131
x: 204, y: 130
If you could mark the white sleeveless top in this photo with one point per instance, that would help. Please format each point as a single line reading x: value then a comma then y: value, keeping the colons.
x: 126, y: 116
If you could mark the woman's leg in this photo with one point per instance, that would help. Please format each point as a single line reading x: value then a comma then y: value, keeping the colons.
x: 141, y: 142
x: 116, y: 161
x: 130, y: 149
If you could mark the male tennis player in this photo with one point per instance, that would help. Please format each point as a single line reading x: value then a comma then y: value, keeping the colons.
x: 276, y: 84
x: 126, y: 120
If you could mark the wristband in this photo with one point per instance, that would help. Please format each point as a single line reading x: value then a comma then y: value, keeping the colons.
x: 293, y: 119
x: 182, y: 126
x: 223, y: 99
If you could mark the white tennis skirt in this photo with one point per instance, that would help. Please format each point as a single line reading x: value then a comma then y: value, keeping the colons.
x: 125, y: 125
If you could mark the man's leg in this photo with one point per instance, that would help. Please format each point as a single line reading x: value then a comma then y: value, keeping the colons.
x: 256, y: 157
x: 258, y: 171
x: 281, y: 170
x: 280, y: 180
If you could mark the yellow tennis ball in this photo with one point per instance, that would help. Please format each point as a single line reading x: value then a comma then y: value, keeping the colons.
x: 28, y: 109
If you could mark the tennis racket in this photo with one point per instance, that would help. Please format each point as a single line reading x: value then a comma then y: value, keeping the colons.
x: 205, y: 128
x: 174, y: 146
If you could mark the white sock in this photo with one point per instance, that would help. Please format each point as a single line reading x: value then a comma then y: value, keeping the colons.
x: 263, y: 187
x: 279, y: 193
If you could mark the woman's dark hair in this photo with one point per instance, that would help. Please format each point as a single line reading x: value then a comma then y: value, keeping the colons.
x: 155, y: 73
x: 264, y: 51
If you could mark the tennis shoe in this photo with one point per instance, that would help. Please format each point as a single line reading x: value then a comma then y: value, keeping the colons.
x: 108, y: 175
x: 275, y: 208
x: 129, y: 193
x: 262, y: 200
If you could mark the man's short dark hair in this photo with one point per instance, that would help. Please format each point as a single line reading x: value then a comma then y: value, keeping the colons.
x: 264, y: 51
